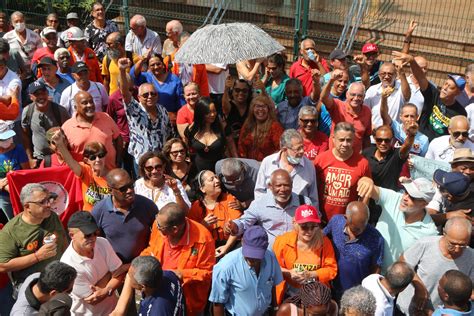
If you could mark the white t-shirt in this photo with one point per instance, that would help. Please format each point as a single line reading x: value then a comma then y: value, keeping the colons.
x: 384, y: 300
x: 160, y: 197
x: 8, y: 83
x: 96, y: 90
x: 373, y: 98
x: 217, y: 81
x: 151, y: 40
x: 416, y: 97
x: 470, y: 117
x: 89, y: 272
x: 441, y: 150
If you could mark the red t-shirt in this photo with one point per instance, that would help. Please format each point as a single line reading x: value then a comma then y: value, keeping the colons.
x: 185, y: 116
x: 298, y: 71
x: 337, y: 181
x: 362, y: 121
x: 315, y: 146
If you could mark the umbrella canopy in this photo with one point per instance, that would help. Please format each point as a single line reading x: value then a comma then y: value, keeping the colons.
x: 227, y: 44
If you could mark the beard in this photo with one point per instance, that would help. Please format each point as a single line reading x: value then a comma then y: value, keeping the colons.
x: 113, y: 53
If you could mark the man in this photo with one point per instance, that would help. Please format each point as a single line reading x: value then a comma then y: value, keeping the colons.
x: 337, y: 60
x: 439, y: 106
x: 63, y: 56
x: 352, y: 111
x: 13, y: 58
x: 367, y: 65
x: 239, y: 176
x: 290, y: 158
x: 37, y: 118
x: 455, y: 290
x: 49, y: 36
x: 99, y: 270
x: 174, y: 28
x: 24, y: 250
x: 72, y: 19
x: 385, y: 289
x: 216, y: 76
x: 287, y: 110
x: 243, y: 282
x: 442, y: 148
x: 403, y: 220
x: 22, y: 40
x: 87, y: 125
x: 358, y: 246
x: 398, y: 92
x: 148, y: 120
x: 124, y: 218
x: 304, y: 68
x: 431, y: 257
x: 140, y: 39
x: 162, y: 293
x: 467, y: 95
x: 274, y: 209
x: 40, y: 287
x: 53, y: 82
x: 115, y: 43
x: 338, y: 171
x: 357, y: 301
x: 96, y: 32
x: 80, y: 52
x: 315, y: 142
x: 80, y: 73
x: 417, y: 97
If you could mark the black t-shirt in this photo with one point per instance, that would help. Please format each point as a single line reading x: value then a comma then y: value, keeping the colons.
x: 435, y: 116
x: 385, y: 172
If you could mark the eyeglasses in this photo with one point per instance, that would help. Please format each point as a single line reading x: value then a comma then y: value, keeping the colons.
x: 238, y: 90
x: 99, y: 155
x: 464, y: 134
x: 44, y: 202
x: 125, y: 188
x: 151, y: 168
x: 150, y: 94
x: 306, y: 122
x: 177, y: 152
x: 297, y: 149
x: 383, y: 74
x: 232, y: 182
x: 452, y: 246
x: 162, y: 228
x: 383, y: 140
x: 307, y: 226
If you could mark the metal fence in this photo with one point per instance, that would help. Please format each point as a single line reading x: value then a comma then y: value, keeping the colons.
x: 445, y: 34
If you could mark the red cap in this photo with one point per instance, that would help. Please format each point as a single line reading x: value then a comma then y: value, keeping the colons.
x: 369, y: 48
x: 306, y: 214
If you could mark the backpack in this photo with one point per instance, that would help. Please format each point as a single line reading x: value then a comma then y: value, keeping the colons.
x: 31, y: 110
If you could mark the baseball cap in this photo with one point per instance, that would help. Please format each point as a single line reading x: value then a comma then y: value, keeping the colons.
x: 47, y: 61
x: 462, y: 155
x: 369, y: 48
x: 306, y: 214
x: 255, y: 242
x: 455, y: 183
x: 420, y: 188
x: 36, y: 86
x: 84, y: 221
x: 48, y: 30
x: 6, y: 130
x: 459, y: 81
x: 72, y: 15
x: 79, y: 66
x: 74, y: 34
x: 337, y: 54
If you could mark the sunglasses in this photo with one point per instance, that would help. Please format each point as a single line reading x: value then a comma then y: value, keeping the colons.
x: 238, y: 90
x: 306, y: 122
x: 308, y: 226
x: 464, y: 134
x: 177, y: 152
x: 147, y: 95
x: 125, y: 188
x: 383, y: 140
x: 151, y: 168
x: 232, y: 182
x: 99, y: 155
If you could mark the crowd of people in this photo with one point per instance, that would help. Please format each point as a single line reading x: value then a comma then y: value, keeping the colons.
x: 259, y: 192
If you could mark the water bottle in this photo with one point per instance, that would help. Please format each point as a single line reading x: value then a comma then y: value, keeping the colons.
x: 49, y: 239
x: 311, y: 55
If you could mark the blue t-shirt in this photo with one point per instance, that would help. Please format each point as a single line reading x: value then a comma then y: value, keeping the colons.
x: 420, y: 145
x: 325, y: 120
x: 168, y: 300
x: 441, y: 310
x: 12, y: 160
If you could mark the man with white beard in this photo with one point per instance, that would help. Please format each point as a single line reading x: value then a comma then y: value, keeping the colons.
x: 442, y: 148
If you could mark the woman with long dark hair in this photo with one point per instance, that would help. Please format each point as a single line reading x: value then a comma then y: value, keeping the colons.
x: 235, y: 105
x: 179, y: 166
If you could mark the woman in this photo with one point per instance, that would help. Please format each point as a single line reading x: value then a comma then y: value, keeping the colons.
x: 315, y: 142
x: 92, y: 171
x: 168, y: 85
x: 314, y: 298
x: 235, y: 105
x: 205, y: 136
x: 179, y: 166
x: 260, y: 134
x: 275, y: 78
x: 157, y: 186
x: 304, y: 254
x: 213, y: 211
x: 185, y: 115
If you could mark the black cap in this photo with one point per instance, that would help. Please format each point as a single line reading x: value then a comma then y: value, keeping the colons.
x: 47, y: 61
x: 36, y: 86
x: 337, y: 54
x: 84, y: 221
x: 79, y: 66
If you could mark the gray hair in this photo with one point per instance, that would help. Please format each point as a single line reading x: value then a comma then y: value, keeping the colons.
x: 470, y: 69
x: 61, y: 51
x: 231, y: 166
x: 306, y: 40
x: 307, y: 110
x: 176, y: 26
x: 399, y: 275
x: 138, y: 20
x: 17, y: 13
x: 287, y: 136
x: 359, y: 300
x: 355, y: 84
x: 457, y: 222
x: 148, y: 271
x: 28, y: 189
x: 344, y: 126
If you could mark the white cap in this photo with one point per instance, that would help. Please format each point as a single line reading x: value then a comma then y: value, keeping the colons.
x: 420, y: 188
x: 74, y: 34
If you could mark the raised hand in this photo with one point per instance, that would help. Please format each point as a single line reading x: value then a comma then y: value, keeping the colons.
x: 402, y: 57
x: 387, y: 91
x: 124, y: 63
x: 411, y: 27
x: 337, y: 74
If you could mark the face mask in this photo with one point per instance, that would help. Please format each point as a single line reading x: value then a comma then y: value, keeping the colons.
x: 6, y: 143
x: 311, y: 55
x: 293, y: 160
x: 113, y: 53
x: 20, y: 27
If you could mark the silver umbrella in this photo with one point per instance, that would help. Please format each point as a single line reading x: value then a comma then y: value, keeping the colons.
x: 227, y: 44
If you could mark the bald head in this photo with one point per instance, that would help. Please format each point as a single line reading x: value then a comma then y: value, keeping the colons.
x: 81, y: 95
x: 459, y: 122
x: 117, y: 175
x: 357, y: 217
x: 174, y: 215
x: 423, y: 63
x: 280, y: 174
x: 399, y: 275
x: 113, y: 37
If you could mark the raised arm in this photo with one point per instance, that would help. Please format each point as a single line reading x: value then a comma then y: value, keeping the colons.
x: 361, y: 60
x: 405, y: 86
x: 60, y: 140
x: 367, y: 189
x: 409, y: 140
x: 415, y: 68
x: 326, y: 97
x: 229, y: 82
x: 386, y: 119
x: 316, y: 93
x: 407, y: 40
x: 248, y: 75
x: 123, y: 64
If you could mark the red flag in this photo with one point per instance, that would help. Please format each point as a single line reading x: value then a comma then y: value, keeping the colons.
x: 60, y: 180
